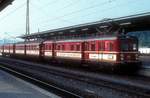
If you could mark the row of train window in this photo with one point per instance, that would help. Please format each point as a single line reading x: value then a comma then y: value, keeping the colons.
x: 33, y: 47
x: 73, y: 47
x: 87, y: 47
x: 20, y: 47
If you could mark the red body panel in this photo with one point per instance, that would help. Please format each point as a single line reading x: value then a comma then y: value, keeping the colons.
x: 98, y: 51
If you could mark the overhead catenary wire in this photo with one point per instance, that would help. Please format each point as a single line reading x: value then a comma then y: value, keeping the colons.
x: 61, y: 17
x: 50, y: 3
x: 79, y: 10
x: 57, y: 10
x: 110, y: 8
x: 103, y: 10
x: 13, y: 11
x: 46, y: 15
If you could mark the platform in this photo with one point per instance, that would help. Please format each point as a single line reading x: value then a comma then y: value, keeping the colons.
x: 145, y: 61
x: 13, y: 87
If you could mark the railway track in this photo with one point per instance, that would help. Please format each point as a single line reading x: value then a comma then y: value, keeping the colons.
x: 100, y: 81
x: 59, y: 91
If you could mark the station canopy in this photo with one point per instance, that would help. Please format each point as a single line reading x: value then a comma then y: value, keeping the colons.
x: 4, y: 3
x: 138, y: 22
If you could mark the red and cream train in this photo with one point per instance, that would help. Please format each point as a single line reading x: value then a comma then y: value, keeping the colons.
x: 109, y: 52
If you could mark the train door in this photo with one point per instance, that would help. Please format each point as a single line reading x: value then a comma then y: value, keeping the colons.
x: 13, y: 49
x: 53, y: 50
x: 83, y: 49
x: 9, y: 49
x: 101, y: 48
x: 2, y: 48
x: 41, y: 50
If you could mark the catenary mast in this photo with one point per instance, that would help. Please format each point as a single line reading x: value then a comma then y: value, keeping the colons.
x: 27, y: 19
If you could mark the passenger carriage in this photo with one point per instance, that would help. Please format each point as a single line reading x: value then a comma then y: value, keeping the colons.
x: 48, y: 49
x: 1, y: 48
x: 11, y: 49
x: 106, y: 52
x: 34, y: 50
x: 19, y: 49
x: 69, y: 51
x: 6, y: 50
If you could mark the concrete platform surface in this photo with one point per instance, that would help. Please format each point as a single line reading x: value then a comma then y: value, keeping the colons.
x: 13, y: 87
x: 145, y: 61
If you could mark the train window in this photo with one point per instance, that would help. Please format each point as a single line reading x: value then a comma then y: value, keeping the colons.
x: 92, y: 47
x: 47, y: 47
x: 86, y: 46
x: 124, y: 45
x: 36, y: 47
x: 50, y: 47
x: 72, y: 47
x: 58, y: 47
x: 32, y: 47
x: 110, y: 46
x: 63, y: 47
x: 78, y: 47
x: 133, y: 46
x: 101, y: 46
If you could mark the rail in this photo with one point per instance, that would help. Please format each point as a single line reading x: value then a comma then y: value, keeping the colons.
x: 118, y: 85
x: 62, y: 92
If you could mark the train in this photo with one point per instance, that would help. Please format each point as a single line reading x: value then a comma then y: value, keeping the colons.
x: 104, y: 52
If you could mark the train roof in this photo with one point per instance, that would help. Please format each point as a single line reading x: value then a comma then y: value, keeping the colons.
x: 89, y: 39
x: 48, y: 41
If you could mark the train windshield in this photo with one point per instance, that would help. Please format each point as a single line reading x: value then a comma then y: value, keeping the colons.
x: 129, y: 45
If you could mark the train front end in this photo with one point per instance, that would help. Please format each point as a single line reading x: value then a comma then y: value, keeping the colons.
x: 128, y: 54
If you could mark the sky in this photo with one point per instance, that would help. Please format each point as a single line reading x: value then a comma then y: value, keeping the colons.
x: 52, y: 14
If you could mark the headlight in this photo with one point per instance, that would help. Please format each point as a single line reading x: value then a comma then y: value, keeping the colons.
x: 122, y: 57
x: 136, y: 56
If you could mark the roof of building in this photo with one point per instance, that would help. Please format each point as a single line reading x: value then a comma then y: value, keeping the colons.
x: 128, y: 23
x: 5, y: 3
